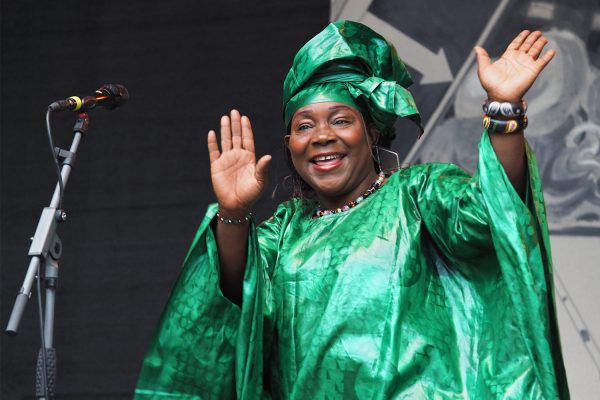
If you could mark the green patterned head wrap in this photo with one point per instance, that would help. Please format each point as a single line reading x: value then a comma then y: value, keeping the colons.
x: 351, y: 64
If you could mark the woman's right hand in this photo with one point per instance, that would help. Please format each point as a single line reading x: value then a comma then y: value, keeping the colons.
x: 237, y: 178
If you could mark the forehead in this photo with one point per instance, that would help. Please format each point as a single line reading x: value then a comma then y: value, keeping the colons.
x: 324, y: 107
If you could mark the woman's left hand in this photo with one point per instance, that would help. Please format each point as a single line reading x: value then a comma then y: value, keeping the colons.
x: 511, y: 76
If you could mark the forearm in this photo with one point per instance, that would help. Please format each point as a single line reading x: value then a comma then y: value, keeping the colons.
x: 510, y: 150
x: 232, y: 244
x: 506, y: 121
x: 238, y: 180
x: 508, y: 79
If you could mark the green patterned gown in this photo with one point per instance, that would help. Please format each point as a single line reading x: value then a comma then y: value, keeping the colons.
x: 438, y: 286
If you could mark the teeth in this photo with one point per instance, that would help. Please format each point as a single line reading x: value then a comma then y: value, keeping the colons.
x: 326, y: 158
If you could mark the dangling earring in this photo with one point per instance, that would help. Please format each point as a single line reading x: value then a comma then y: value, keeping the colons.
x: 388, y: 160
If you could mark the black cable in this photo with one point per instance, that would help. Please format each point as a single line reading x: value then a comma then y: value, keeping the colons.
x: 55, y: 159
x: 42, y: 336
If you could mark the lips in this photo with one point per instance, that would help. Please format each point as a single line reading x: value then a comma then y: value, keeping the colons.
x: 327, y: 162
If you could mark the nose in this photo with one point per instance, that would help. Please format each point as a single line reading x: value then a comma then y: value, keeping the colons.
x: 323, y: 135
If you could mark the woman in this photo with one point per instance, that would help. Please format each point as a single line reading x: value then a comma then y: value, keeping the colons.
x: 424, y: 284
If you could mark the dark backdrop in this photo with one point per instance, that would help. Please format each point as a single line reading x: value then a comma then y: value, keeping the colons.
x: 141, y: 183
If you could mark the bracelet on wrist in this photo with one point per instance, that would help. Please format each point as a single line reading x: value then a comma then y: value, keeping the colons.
x: 233, y: 221
x: 504, y: 126
x: 504, y: 108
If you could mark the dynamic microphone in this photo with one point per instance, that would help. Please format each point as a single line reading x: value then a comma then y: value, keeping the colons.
x: 108, y: 96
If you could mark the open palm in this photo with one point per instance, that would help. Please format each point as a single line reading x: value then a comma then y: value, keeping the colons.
x: 511, y: 76
x: 238, y: 180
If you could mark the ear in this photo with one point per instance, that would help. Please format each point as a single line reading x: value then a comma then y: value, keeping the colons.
x: 374, y: 134
x: 286, y: 141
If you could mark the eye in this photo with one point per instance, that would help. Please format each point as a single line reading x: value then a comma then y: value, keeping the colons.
x: 303, y: 127
x: 341, y: 121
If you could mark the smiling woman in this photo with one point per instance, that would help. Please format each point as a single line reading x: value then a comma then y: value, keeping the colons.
x: 330, y: 149
x: 426, y: 283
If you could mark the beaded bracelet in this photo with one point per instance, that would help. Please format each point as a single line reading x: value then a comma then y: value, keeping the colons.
x: 237, y: 221
x: 504, y: 126
x: 505, y: 108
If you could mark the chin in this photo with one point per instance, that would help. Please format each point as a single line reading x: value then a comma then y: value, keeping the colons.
x: 329, y: 189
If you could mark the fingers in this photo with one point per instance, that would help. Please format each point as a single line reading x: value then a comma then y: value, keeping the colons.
x: 545, y: 59
x: 225, y: 133
x: 261, y: 168
x: 534, y: 45
x: 536, y: 48
x: 518, y: 41
x: 236, y: 129
x: 231, y: 131
x: 529, y: 41
x: 236, y: 133
x: 247, y: 135
x: 483, y: 58
x: 213, y: 147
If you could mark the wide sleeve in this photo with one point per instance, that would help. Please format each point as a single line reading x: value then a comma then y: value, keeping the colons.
x: 451, y: 205
x: 205, y: 346
x: 519, y: 234
x: 469, y: 217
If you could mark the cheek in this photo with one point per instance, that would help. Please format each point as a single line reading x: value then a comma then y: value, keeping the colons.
x: 297, y: 147
x: 357, y: 141
x: 295, y: 153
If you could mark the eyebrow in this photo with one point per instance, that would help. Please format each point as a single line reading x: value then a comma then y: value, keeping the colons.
x: 336, y: 107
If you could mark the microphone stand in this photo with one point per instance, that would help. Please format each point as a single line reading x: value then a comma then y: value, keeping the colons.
x: 46, y: 249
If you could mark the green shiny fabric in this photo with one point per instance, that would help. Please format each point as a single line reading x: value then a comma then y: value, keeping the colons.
x: 320, y: 93
x: 438, y: 286
x: 351, y: 54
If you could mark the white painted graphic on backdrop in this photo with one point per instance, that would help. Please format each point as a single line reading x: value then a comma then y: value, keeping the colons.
x: 564, y: 100
x: 433, y: 66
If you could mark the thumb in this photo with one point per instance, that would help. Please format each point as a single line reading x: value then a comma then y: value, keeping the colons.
x: 483, y: 58
x: 261, y: 169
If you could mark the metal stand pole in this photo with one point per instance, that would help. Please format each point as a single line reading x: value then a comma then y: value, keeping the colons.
x: 46, y: 247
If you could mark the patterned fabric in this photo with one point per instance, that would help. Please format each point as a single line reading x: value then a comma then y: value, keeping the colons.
x: 438, y: 286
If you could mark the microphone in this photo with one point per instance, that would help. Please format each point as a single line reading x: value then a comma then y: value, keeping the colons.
x: 108, y: 96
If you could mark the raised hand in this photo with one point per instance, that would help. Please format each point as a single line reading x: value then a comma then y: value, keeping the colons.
x: 511, y: 76
x: 237, y: 179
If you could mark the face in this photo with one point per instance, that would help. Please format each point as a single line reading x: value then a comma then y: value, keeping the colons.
x: 332, y: 152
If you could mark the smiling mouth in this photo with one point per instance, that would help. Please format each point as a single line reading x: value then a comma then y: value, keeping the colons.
x: 327, y: 162
x: 327, y: 159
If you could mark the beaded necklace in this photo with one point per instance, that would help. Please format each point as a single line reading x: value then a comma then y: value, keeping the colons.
x: 319, y: 212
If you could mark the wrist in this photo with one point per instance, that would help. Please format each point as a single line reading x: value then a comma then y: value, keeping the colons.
x: 504, y: 110
x: 233, y: 212
x: 504, y: 98
x: 235, y: 216
x: 505, y: 126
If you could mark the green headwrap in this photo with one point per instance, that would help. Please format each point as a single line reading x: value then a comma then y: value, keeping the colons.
x: 351, y: 64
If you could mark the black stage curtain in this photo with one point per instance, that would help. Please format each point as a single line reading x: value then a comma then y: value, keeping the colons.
x: 141, y: 182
